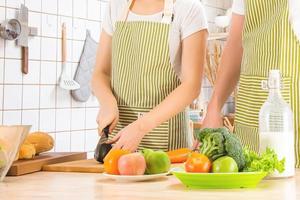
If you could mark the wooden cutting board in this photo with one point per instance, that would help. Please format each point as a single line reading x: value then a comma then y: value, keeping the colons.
x: 84, y: 166
x: 22, y: 167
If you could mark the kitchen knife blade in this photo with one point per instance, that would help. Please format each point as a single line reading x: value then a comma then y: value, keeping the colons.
x: 23, y: 38
x: 23, y: 19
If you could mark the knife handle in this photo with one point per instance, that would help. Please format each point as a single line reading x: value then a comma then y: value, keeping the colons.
x: 25, y: 60
x: 106, y: 131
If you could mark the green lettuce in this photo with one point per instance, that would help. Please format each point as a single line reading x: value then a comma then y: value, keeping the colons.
x: 266, y: 162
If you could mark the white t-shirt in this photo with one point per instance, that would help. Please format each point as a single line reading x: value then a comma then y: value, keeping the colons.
x: 238, y: 7
x: 189, y: 18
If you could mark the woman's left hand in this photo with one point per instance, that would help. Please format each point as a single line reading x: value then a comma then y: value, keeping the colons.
x: 129, y: 137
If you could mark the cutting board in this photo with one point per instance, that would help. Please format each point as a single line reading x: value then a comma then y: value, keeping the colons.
x: 84, y: 166
x: 22, y: 167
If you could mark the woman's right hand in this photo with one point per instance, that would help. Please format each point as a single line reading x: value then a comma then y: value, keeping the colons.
x: 108, y: 115
x: 213, y: 119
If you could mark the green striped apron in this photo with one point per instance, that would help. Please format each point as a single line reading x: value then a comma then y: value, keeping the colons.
x: 269, y: 43
x: 142, y: 77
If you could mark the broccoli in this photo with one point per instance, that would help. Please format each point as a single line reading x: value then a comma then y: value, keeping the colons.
x: 219, y: 142
x: 213, y: 145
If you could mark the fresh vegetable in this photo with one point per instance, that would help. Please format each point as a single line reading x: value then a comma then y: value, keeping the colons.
x: 224, y: 164
x: 157, y: 161
x: 216, y: 143
x: 198, y: 163
x: 266, y: 162
x: 101, y: 151
x: 27, y: 151
x: 179, y: 155
x: 132, y: 164
x: 111, y: 161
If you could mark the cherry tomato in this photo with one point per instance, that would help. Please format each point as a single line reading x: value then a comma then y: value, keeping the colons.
x: 198, y: 163
x: 111, y: 161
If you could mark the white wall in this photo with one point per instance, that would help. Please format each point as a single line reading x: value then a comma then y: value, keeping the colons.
x: 35, y: 98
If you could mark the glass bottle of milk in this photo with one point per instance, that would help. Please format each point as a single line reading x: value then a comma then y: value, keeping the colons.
x: 276, y: 129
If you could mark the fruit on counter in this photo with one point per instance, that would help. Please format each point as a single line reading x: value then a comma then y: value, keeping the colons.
x: 224, y: 164
x: 101, y: 151
x: 42, y: 141
x: 132, y: 164
x: 266, y: 162
x: 157, y: 161
x: 111, y: 161
x: 27, y: 151
x: 198, y: 163
x: 219, y: 142
x: 179, y: 155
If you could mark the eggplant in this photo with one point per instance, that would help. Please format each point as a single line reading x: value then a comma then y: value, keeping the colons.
x: 102, y: 148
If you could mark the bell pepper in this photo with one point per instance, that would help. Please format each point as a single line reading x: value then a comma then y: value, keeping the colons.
x: 179, y: 155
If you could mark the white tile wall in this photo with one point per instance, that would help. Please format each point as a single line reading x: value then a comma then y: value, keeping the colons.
x: 35, y: 98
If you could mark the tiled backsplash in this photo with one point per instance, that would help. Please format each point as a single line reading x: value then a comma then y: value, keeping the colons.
x: 35, y: 98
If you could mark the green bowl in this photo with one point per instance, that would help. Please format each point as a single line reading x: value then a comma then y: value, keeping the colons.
x: 218, y: 180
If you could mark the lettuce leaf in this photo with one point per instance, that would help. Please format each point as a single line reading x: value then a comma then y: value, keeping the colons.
x: 266, y: 162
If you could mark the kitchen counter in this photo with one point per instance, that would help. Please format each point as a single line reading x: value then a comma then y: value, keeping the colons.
x: 52, y: 185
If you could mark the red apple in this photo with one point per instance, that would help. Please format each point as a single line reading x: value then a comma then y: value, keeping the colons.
x: 132, y: 164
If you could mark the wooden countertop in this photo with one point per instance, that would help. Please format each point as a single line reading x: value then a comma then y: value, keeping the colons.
x: 52, y: 185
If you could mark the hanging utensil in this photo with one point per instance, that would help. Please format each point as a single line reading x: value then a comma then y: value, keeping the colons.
x: 66, y: 82
x: 23, y: 37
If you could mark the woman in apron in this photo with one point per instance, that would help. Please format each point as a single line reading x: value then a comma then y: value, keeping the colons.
x: 148, y: 70
x: 264, y: 35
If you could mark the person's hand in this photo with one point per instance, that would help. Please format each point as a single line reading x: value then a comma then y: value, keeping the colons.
x: 129, y: 137
x: 213, y: 119
x: 108, y: 115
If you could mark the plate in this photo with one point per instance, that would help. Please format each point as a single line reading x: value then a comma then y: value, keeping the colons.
x: 218, y: 180
x: 136, y: 178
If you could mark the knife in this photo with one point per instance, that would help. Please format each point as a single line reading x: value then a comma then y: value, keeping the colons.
x: 23, y: 38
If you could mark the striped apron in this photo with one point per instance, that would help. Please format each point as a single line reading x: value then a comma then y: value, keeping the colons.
x: 142, y: 77
x: 269, y: 43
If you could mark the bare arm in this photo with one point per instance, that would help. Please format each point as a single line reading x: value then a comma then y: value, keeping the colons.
x: 229, y: 73
x: 101, y: 84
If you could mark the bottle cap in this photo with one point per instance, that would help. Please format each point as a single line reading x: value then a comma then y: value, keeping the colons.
x: 274, y: 81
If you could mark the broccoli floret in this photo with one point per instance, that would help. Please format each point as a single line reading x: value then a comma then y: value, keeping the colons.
x: 219, y: 142
x: 234, y: 149
x: 213, y: 145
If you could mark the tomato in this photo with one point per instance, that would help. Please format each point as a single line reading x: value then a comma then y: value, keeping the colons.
x: 111, y: 161
x: 198, y: 163
x: 179, y: 155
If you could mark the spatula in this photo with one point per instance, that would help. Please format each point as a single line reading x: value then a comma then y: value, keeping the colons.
x: 66, y: 82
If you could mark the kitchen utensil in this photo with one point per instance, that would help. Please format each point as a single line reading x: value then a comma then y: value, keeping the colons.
x: 102, y: 148
x: 218, y: 180
x: 66, y: 82
x: 85, y: 69
x: 11, y: 138
x: 21, y: 167
x: 136, y: 178
x: 82, y: 166
x: 23, y: 38
x: 10, y: 29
